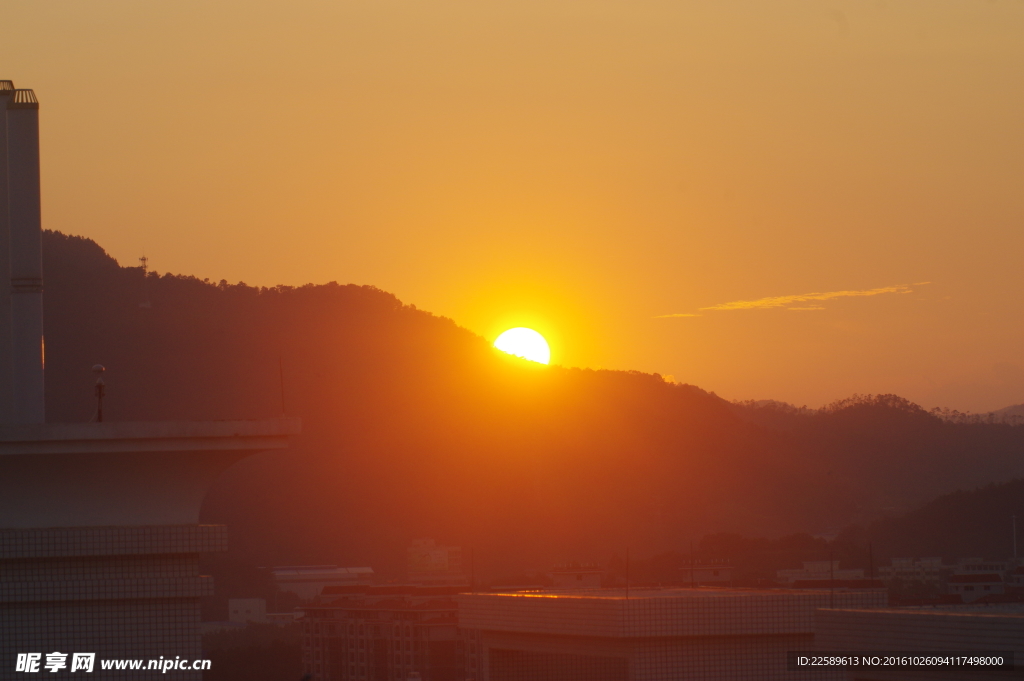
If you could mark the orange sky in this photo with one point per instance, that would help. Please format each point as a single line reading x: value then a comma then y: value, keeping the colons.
x: 585, y: 167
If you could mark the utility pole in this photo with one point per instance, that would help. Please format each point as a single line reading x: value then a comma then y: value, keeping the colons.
x: 831, y: 580
x: 693, y: 578
x: 627, y: 573
x: 101, y: 390
x: 1015, y: 538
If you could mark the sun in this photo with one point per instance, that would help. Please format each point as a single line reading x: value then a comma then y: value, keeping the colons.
x: 525, y: 343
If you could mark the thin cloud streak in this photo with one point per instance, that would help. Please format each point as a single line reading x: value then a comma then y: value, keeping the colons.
x: 786, y: 301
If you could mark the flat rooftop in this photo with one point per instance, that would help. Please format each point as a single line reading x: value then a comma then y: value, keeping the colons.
x: 658, y: 612
x: 957, y: 610
x: 704, y: 592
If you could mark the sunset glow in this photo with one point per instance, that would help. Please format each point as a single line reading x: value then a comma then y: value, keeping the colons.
x: 525, y: 343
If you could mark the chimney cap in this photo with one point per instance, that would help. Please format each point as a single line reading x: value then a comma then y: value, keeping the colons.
x: 7, y: 87
x: 23, y: 99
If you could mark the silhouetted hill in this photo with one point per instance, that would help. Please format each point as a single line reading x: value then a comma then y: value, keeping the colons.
x: 957, y: 525
x: 416, y: 427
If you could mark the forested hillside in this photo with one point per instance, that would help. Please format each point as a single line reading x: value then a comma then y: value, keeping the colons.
x: 415, y: 427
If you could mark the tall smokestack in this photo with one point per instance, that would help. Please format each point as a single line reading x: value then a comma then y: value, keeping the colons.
x: 26, y: 261
x: 6, y: 365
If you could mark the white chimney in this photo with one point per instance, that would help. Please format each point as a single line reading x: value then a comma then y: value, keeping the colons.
x: 26, y: 257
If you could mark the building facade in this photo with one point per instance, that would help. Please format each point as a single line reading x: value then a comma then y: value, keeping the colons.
x: 388, y: 633
x: 962, y: 628
x: 648, y: 634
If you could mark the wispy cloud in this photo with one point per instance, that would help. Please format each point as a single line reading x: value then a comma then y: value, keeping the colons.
x: 788, y: 302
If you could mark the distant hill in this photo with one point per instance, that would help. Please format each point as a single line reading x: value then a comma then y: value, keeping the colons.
x: 416, y: 427
x: 1013, y: 413
x: 961, y: 524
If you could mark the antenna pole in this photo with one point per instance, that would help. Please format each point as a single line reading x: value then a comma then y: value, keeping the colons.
x: 693, y: 578
x: 627, y: 573
x: 831, y: 580
x: 280, y: 375
x: 144, y: 264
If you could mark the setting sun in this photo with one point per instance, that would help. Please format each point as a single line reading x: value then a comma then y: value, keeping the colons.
x: 525, y: 343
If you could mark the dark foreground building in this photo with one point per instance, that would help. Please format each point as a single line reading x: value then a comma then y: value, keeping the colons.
x: 952, y: 628
x: 387, y: 633
x: 649, y: 634
x: 99, y: 522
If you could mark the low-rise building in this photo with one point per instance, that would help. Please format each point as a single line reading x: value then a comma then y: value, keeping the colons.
x: 576, y: 576
x: 428, y: 563
x: 649, y: 634
x: 242, y: 610
x: 819, y: 570
x: 386, y: 633
x: 971, y: 587
x: 307, y: 581
x: 929, y: 571
x: 707, y: 572
x: 960, y: 628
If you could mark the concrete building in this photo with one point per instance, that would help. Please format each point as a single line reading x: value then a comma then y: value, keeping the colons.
x: 428, y: 563
x: 971, y: 587
x: 387, y: 633
x: 649, y: 634
x: 929, y: 571
x: 819, y: 570
x: 307, y: 581
x: 99, y: 522
x: 244, y: 610
x: 961, y: 628
x: 576, y: 576
x: 707, y: 573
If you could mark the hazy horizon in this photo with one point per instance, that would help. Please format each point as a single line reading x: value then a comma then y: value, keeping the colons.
x: 789, y: 202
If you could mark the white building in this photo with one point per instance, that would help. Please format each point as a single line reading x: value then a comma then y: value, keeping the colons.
x: 308, y: 581
x: 576, y: 576
x: 924, y: 570
x: 242, y: 610
x: 818, y: 570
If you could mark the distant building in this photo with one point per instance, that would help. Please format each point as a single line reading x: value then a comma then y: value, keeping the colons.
x: 242, y: 610
x: 1015, y: 580
x: 971, y: 587
x: 576, y: 576
x: 923, y: 570
x: 387, y: 633
x: 307, y: 581
x: 819, y: 570
x: 430, y: 564
x: 707, y: 572
x: 959, y: 628
x: 284, y: 618
x: 976, y: 578
x: 649, y: 634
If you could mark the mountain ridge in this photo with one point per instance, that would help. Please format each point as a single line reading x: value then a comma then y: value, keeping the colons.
x: 416, y: 427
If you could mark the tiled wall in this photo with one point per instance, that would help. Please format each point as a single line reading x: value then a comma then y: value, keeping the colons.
x: 119, y: 592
